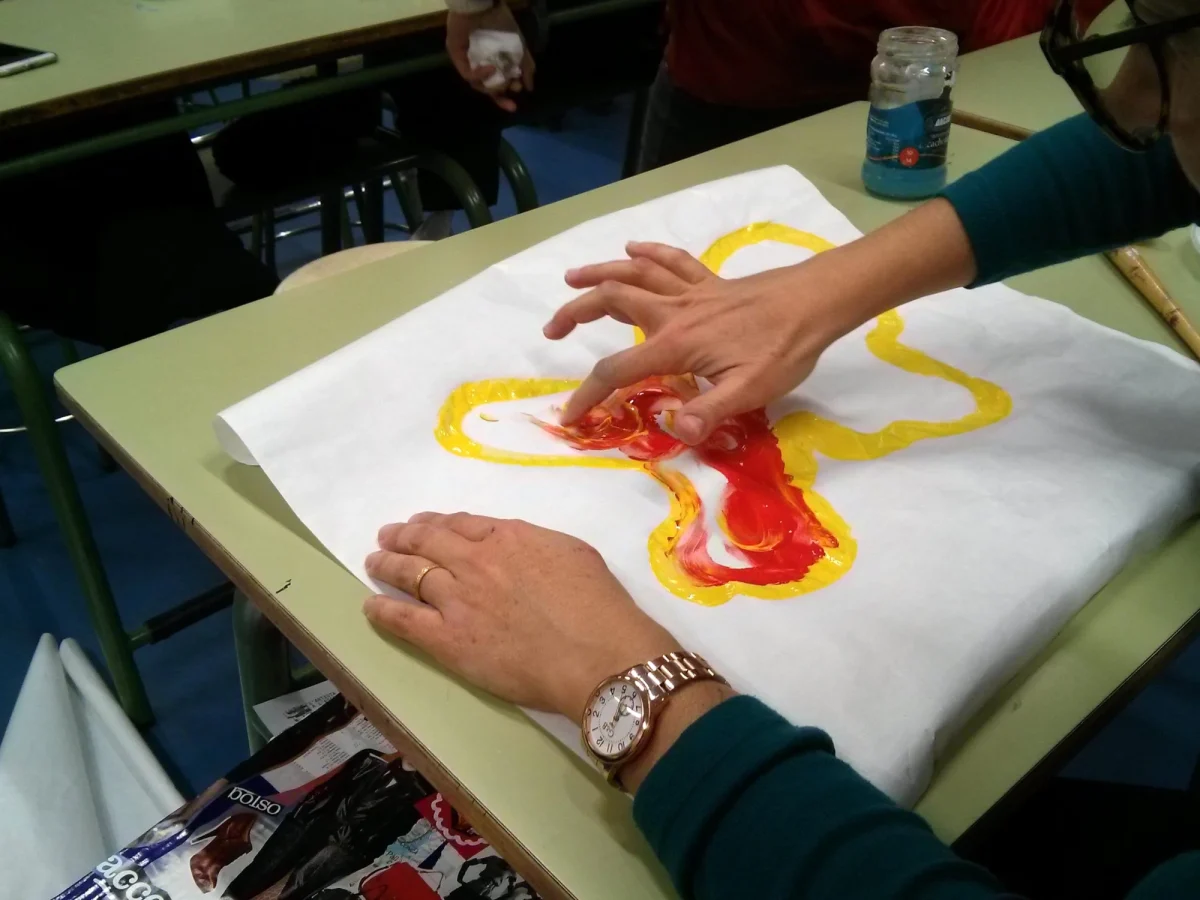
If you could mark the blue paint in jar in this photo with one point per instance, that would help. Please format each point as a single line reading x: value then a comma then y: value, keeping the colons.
x: 908, y: 127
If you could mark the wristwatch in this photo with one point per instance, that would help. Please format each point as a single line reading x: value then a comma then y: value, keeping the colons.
x: 620, y: 715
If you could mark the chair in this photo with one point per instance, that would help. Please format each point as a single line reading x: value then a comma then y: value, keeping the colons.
x: 380, y: 158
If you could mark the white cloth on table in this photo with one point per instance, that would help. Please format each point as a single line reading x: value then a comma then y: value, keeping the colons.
x: 972, y: 550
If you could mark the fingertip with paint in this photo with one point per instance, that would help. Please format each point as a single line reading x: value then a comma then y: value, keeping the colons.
x: 689, y: 427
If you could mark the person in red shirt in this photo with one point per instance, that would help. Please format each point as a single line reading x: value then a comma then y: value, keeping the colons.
x: 734, y: 69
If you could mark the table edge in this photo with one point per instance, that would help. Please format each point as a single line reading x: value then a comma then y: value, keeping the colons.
x: 507, y: 844
x: 993, y: 818
x: 173, y: 81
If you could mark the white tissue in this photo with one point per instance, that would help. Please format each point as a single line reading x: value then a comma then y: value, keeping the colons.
x: 503, y: 50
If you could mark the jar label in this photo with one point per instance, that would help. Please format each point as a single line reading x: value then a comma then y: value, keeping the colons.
x: 912, y: 136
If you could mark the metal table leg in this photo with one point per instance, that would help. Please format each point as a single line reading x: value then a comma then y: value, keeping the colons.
x: 72, y: 520
x: 263, y: 666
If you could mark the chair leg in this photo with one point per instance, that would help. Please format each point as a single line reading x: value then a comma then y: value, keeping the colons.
x: 264, y: 669
x: 77, y: 533
x: 410, y: 203
x: 371, y: 210
x: 331, y: 221
x: 637, y: 127
x: 518, y: 177
x: 459, y: 180
x: 347, y: 227
x: 8, y: 536
x: 268, y: 238
x: 256, y: 235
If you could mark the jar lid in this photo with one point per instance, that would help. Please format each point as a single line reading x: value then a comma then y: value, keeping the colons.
x: 918, y: 42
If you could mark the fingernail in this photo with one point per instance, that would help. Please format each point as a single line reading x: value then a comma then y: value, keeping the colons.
x: 373, y: 560
x: 689, y: 427
x: 571, y: 273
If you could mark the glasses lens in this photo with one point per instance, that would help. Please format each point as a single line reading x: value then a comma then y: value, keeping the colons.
x: 1126, y: 79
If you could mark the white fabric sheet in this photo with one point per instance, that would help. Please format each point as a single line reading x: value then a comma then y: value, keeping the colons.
x: 972, y: 550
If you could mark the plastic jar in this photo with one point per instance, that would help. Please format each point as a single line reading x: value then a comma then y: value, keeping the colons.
x: 908, y: 127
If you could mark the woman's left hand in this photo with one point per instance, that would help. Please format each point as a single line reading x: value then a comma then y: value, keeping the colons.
x: 532, y: 615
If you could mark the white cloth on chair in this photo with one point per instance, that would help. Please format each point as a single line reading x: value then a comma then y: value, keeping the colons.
x: 76, y: 780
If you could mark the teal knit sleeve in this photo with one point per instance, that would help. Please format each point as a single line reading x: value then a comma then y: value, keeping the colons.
x: 747, y: 805
x: 1066, y: 192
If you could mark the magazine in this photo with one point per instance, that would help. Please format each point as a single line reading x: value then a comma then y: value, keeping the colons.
x: 327, y: 810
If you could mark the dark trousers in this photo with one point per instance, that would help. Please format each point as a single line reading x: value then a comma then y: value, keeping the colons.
x: 1089, y: 840
x: 679, y: 125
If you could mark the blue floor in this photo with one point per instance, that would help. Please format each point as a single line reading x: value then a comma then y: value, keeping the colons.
x: 192, y: 678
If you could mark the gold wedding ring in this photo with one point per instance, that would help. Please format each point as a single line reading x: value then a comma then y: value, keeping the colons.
x: 416, y: 591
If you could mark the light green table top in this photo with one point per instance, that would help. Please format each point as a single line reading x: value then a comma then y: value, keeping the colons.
x: 112, y: 50
x: 152, y: 405
x: 1013, y: 83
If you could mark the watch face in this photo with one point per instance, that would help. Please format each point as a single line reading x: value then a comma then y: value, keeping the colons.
x: 614, y: 719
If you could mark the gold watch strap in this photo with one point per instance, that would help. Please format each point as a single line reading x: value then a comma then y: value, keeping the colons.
x: 661, y: 676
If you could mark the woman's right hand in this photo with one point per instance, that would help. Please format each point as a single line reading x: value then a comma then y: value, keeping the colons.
x: 758, y: 337
x: 753, y: 338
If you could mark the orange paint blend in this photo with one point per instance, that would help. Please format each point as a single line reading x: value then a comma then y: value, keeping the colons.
x: 765, y: 518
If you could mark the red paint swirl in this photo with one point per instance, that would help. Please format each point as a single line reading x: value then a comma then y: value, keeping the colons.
x: 766, y: 521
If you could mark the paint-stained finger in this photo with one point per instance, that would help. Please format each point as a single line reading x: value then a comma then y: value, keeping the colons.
x: 620, y: 370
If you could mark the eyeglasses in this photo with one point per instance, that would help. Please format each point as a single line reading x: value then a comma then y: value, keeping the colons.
x: 1115, y: 65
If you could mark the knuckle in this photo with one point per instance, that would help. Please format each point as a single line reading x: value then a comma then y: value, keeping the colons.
x: 417, y: 538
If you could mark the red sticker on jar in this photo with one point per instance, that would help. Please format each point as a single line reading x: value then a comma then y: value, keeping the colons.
x: 909, y: 157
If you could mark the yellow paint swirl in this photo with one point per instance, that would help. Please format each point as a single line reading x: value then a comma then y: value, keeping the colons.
x: 801, y: 435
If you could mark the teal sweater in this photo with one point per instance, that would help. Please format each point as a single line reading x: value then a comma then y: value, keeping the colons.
x: 745, y: 804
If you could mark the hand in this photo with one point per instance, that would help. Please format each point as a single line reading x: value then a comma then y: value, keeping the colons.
x: 458, y: 39
x: 531, y: 615
x: 754, y: 338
